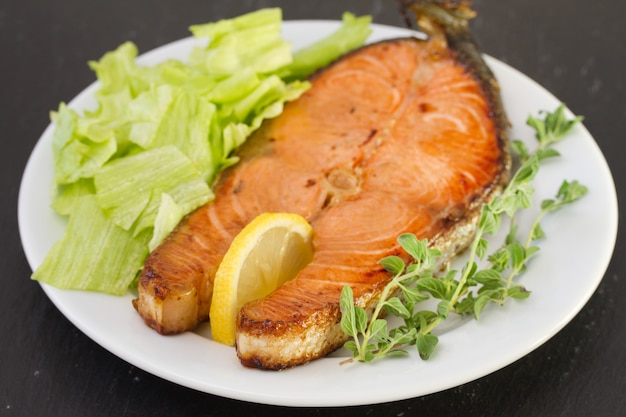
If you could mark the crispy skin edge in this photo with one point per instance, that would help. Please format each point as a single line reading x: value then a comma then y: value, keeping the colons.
x: 278, y: 346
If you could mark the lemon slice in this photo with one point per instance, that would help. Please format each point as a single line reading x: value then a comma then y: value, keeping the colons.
x: 269, y: 251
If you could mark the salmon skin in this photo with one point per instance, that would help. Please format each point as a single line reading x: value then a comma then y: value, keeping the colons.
x: 404, y: 135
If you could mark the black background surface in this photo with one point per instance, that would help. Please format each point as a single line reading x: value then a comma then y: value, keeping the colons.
x: 574, y: 48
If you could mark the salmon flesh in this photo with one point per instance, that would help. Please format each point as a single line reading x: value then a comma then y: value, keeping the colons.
x: 400, y: 136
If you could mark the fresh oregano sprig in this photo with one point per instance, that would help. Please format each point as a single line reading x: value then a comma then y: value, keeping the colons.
x: 470, y: 290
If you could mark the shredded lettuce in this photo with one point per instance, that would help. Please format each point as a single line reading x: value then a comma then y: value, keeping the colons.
x: 76, y: 261
x: 129, y: 189
x: 168, y: 216
x: 127, y: 172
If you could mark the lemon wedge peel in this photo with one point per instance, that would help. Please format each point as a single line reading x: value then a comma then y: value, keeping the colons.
x: 269, y: 251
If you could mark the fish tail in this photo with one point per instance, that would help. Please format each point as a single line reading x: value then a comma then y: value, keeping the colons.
x: 436, y: 16
x: 446, y: 23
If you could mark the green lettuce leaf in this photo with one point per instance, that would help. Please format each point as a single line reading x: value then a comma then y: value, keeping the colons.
x: 351, y: 34
x: 69, y: 195
x: 77, y: 155
x: 168, y: 216
x: 94, y: 254
x: 129, y: 189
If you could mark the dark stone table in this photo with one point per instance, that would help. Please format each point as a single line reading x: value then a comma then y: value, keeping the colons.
x: 574, y: 48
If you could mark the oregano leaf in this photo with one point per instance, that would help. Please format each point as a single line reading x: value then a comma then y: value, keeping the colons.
x: 397, y: 353
x: 351, y: 346
x: 360, y: 319
x: 479, y: 305
x: 413, y: 295
x: 443, y: 308
x: 395, y: 307
x: 537, y: 232
x: 518, y: 255
x: 547, y: 153
x: 481, y: 248
x: 432, y: 286
x: 489, y: 221
x: 412, y: 246
x: 348, y: 315
x: 378, y: 327
x: 393, y: 264
x: 518, y: 292
x: 485, y: 276
x: 426, y: 344
x: 519, y: 147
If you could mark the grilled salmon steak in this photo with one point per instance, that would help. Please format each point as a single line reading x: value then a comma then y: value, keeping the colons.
x: 404, y: 135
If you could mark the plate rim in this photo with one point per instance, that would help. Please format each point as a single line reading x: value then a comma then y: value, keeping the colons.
x: 56, y: 297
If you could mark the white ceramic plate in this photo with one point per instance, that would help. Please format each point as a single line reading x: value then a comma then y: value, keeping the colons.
x: 572, y: 261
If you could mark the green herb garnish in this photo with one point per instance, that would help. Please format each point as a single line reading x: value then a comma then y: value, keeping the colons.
x: 471, y: 289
